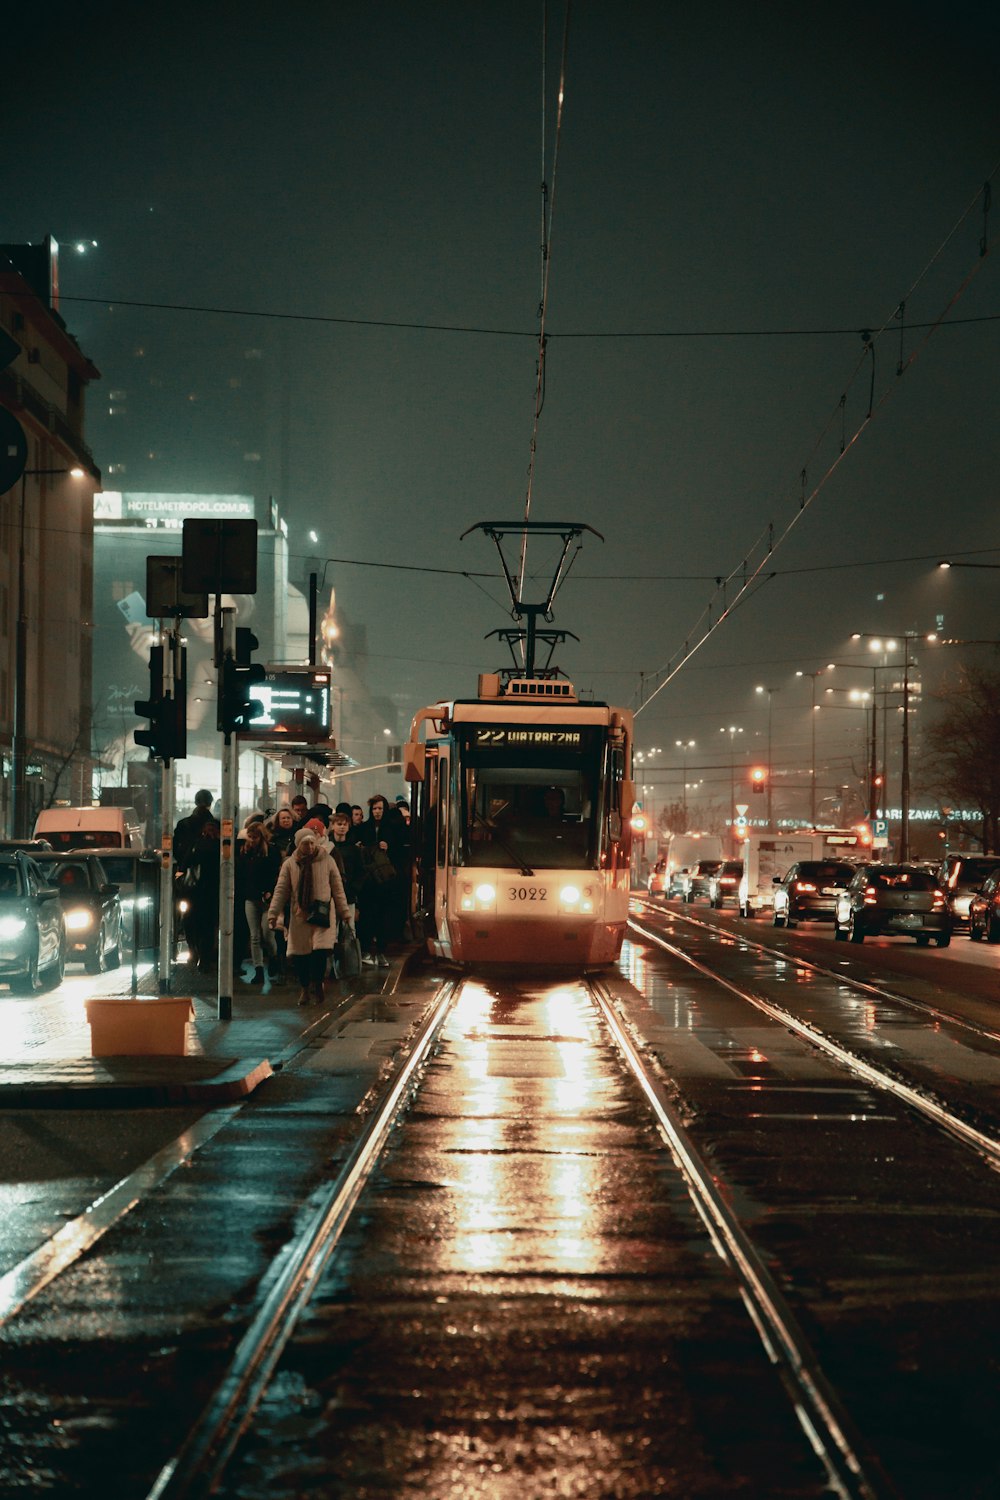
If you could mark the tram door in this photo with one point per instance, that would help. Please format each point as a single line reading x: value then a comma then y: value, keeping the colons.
x: 438, y: 899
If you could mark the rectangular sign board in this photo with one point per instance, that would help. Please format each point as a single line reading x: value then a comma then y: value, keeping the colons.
x: 296, y: 704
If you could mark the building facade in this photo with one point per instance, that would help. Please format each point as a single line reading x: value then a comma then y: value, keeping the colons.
x: 46, y: 550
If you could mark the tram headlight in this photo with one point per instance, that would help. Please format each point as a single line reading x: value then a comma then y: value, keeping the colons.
x: 482, y: 897
x: 573, y: 899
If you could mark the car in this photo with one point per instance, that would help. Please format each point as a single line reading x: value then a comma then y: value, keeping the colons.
x: 961, y: 875
x: 676, y: 883
x: 808, y: 891
x: 697, y: 878
x: 30, y: 846
x: 32, y: 929
x: 984, y: 910
x: 888, y: 899
x: 92, y: 908
x: 657, y: 882
x: 724, y: 885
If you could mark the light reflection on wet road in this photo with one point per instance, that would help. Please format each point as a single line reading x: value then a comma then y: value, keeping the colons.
x: 528, y: 1305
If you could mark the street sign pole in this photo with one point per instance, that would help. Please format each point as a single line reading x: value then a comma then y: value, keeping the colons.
x: 230, y: 753
x: 170, y: 685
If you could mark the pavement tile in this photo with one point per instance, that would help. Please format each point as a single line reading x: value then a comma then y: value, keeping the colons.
x: 46, y: 1045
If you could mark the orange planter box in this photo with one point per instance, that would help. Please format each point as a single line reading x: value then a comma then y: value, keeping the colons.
x: 125, y: 1027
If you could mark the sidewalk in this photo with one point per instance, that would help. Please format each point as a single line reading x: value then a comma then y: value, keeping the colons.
x: 46, y: 1050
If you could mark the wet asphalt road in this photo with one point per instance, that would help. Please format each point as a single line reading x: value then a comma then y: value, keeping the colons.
x: 527, y: 1304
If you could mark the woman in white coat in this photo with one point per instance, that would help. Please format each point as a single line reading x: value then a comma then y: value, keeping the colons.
x: 309, y: 874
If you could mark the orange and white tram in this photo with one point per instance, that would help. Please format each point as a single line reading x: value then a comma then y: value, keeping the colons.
x: 522, y: 808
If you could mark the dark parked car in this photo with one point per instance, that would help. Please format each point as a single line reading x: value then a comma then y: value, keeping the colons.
x: 888, y: 899
x: 697, y: 878
x: 984, y: 910
x: 32, y: 931
x: 30, y: 846
x: 92, y: 908
x: 724, y: 885
x: 809, y: 891
x: 962, y: 875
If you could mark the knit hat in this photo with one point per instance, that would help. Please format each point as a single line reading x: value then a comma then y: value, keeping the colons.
x: 305, y: 833
x: 317, y: 826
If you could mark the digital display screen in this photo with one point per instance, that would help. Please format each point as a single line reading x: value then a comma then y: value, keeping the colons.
x: 296, y: 706
x: 502, y: 736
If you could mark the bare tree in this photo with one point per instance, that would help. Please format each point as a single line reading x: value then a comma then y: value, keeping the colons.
x: 963, y: 746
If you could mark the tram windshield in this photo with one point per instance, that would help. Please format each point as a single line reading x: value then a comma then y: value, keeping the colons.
x: 530, y: 796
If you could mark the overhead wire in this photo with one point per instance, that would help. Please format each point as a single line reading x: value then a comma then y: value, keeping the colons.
x: 548, y: 214
x: 484, y: 330
x: 705, y: 626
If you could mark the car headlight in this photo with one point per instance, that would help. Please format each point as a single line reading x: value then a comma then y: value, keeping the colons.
x: 12, y: 927
x: 79, y: 920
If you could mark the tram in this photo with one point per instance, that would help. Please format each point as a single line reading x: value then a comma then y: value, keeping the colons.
x: 523, y: 798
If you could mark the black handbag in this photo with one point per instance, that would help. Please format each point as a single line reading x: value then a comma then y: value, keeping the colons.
x: 318, y: 914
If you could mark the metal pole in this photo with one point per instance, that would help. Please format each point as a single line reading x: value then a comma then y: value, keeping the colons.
x: 19, y: 748
x: 313, y: 616
x: 230, y: 793
x: 904, y: 835
x: 873, y: 762
x: 769, y: 767
x: 171, y: 679
x: 812, y: 788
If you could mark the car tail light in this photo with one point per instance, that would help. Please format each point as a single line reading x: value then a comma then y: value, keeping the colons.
x: 871, y: 895
x: 727, y: 880
x: 803, y: 885
x: 938, y: 898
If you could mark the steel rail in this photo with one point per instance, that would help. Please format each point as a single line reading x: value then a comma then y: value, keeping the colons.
x: 197, y: 1468
x: 924, y: 1007
x: 817, y: 1407
x: 924, y: 1103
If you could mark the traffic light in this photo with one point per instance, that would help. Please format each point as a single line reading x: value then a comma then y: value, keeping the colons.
x: 166, y: 737
x: 758, y: 778
x: 239, y: 675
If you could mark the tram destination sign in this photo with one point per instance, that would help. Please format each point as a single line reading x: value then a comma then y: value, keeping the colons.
x: 509, y: 736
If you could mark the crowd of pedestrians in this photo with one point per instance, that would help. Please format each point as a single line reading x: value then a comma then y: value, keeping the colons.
x: 308, y: 879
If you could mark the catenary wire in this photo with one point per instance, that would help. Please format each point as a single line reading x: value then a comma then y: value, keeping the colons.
x: 704, y: 627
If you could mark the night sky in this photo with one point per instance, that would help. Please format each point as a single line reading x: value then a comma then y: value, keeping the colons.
x: 740, y: 191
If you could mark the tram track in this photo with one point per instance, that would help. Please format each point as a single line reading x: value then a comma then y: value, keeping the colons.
x: 471, y: 1049
x: 985, y: 1143
x: 198, y: 1468
x: 920, y: 1006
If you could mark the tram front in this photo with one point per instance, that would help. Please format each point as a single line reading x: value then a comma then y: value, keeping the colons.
x: 530, y: 807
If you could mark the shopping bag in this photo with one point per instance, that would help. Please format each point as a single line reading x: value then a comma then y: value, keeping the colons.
x: 348, y: 951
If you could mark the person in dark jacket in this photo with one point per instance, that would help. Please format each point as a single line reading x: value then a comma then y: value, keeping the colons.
x: 283, y: 832
x: 188, y: 831
x: 379, y: 841
x: 256, y: 870
x: 349, y: 857
x: 203, y: 915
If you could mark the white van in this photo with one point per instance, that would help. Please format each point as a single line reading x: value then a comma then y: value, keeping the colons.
x: 91, y: 828
x: 768, y: 856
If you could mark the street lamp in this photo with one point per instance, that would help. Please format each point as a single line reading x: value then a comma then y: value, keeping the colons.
x: 732, y: 731
x: 879, y: 643
x: 19, y: 746
x: 684, y: 746
x: 812, y: 784
x: 770, y: 763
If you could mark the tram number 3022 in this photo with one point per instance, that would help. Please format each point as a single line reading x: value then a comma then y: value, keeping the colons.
x: 527, y: 893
